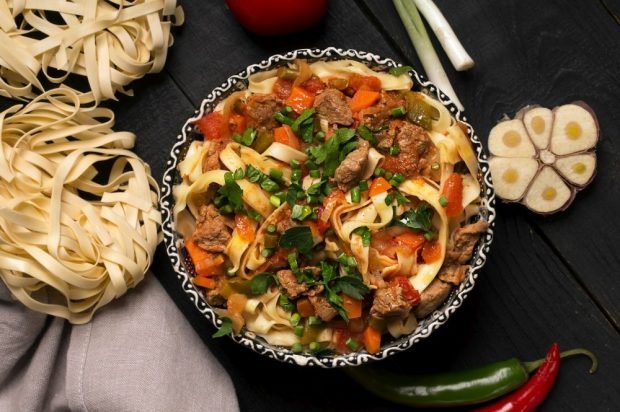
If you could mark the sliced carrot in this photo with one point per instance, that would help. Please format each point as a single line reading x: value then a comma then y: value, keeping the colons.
x: 285, y: 135
x: 300, y: 99
x: 409, y: 241
x: 204, y: 282
x: 245, y: 227
x: 431, y: 251
x: 371, y: 339
x: 453, y: 191
x: 352, y: 306
x: 359, y: 82
x: 205, y: 263
x: 237, y: 122
x: 378, y: 186
x: 363, y: 99
x: 305, y: 308
x: 213, y: 127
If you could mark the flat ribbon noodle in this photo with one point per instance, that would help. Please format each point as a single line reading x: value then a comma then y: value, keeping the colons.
x: 60, y: 253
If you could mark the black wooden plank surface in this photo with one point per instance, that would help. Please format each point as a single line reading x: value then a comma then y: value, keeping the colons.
x: 547, y: 53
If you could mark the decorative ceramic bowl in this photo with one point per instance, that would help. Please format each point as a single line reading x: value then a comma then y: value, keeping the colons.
x: 250, y: 340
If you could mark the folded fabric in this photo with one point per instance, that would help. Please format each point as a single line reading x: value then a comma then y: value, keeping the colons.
x: 139, y: 353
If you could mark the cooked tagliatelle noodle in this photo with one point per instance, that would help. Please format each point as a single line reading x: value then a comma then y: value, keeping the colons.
x: 111, y: 43
x: 328, y: 205
x: 78, y: 217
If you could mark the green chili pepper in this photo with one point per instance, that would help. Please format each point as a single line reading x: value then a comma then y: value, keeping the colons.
x: 467, y: 387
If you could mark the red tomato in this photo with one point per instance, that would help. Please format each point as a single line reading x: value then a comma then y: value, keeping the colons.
x: 314, y: 85
x: 409, y: 292
x: 282, y: 88
x: 275, y: 17
x: 213, y: 127
x: 453, y: 191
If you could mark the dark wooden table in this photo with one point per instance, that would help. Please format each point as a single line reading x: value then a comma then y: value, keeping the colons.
x: 548, y: 279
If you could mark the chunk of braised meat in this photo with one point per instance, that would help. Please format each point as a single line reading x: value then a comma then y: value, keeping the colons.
x: 261, y: 110
x: 213, y: 296
x: 292, y: 287
x: 350, y: 170
x: 378, y: 118
x: 432, y: 297
x: 285, y: 221
x: 322, y: 308
x: 417, y: 152
x: 463, y: 242
x: 390, y: 301
x: 332, y: 105
x: 211, y: 232
x: 211, y: 160
x: 453, y: 274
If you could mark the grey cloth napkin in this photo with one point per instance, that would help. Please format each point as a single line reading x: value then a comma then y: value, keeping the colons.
x: 137, y: 354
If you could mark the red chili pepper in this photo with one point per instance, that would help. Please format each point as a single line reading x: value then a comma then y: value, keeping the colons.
x: 533, y: 393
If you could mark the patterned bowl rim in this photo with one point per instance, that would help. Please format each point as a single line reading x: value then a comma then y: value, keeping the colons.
x: 427, y: 325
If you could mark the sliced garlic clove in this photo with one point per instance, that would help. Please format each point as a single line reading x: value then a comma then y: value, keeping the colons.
x: 538, y: 122
x: 512, y: 176
x: 574, y: 130
x: 510, y: 139
x: 548, y: 192
x: 577, y: 169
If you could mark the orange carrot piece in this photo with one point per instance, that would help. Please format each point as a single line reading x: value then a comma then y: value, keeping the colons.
x: 363, y: 99
x: 378, y: 186
x: 352, y: 306
x: 285, y: 135
x: 300, y: 99
x: 245, y: 227
x: 371, y: 339
x: 305, y: 308
x: 431, y: 251
x: 410, y: 240
x: 205, y: 263
x: 204, y: 282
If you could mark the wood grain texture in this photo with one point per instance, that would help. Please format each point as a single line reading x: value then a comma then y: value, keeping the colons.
x: 548, y: 53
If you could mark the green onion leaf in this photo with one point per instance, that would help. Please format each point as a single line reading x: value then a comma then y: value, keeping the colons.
x: 305, y: 115
x: 275, y: 200
x: 283, y: 119
x: 297, y: 347
x: 295, y: 318
x: 398, y: 112
x: 443, y: 201
x: 399, y: 71
x: 394, y: 150
x: 364, y: 233
x: 299, y: 330
x: 356, y: 196
x: 225, y: 328
x: 285, y: 303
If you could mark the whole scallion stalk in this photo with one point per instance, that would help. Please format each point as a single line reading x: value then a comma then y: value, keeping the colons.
x: 424, y: 48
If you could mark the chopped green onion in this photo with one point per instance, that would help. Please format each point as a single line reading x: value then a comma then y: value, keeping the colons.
x: 239, y: 174
x: 266, y: 252
x: 394, y: 150
x: 352, y: 344
x: 295, y: 164
x: 292, y: 262
x: 443, y: 201
x: 315, y: 173
x: 310, y: 165
x: 272, y: 228
x: 364, y: 132
x: 254, y: 215
x: 297, y: 347
x: 299, y: 330
x: 435, y: 166
x: 300, y: 212
x: 226, y: 209
x: 248, y: 136
x: 295, y: 318
x: 275, y: 174
x: 314, y: 321
x: 398, y: 112
x: 388, y: 175
x: 305, y: 115
x: 314, y: 346
x: 296, y: 175
x: 287, y: 109
x: 363, y: 185
x: 389, y: 199
x: 269, y: 185
x: 275, y: 201
x: 356, y: 196
x: 237, y: 137
x: 283, y: 119
x: 285, y: 303
x: 314, y: 200
x: 378, y: 172
x: 429, y: 236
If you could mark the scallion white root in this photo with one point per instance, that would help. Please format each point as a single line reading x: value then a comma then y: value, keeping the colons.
x: 460, y: 59
x: 424, y: 48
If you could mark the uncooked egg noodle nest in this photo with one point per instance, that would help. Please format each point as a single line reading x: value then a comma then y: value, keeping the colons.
x: 110, y: 42
x: 72, y: 237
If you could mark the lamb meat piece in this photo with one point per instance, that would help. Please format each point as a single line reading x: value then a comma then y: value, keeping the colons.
x: 464, y: 241
x: 285, y: 221
x: 213, y: 296
x: 292, y: 287
x: 323, y: 308
x: 417, y: 152
x: 385, y: 139
x: 332, y: 105
x: 350, y: 170
x: 211, y: 160
x: 390, y: 301
x: 211, y: 232
x: 453, y: 274
x: 433, y: 296
x: 261, y: 109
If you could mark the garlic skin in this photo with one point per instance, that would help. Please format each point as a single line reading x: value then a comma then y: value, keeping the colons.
x: 542, y: 157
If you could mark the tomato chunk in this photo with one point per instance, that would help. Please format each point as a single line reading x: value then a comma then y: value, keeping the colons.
x: 213, y: 127
x: 453, y: 192
x: 409, y: 292
x: 282, y: 88
x: 359, y: 82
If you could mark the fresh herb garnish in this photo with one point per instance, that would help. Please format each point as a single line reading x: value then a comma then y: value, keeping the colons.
x: 328, y: 154
x: 399, y: 71
x: 261, y: 282
x: 300, y: 212
x: 419, y: 218
x: 364, y: 233
x: 364, y: 132
x: 303, y: 117
x: 285, y: 303
x: 351, y: 286
x: 299, y: 237
x: 225, y: 329
x: 232, y: 192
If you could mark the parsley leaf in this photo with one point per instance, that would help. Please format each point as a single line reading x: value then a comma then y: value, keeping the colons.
x: 305, y: 115
x: 399, y: 71
x: 232, y: 192
x: 351, y: 286
x: 225, y: 329
x: 328, y: 153
x: 261, y: 282
x: 285, y: 303
x: 299, y: 237
x: 364, y: 233
x: 419, y: 218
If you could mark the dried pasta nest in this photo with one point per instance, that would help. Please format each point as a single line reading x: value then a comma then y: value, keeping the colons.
x: 542, y: 157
